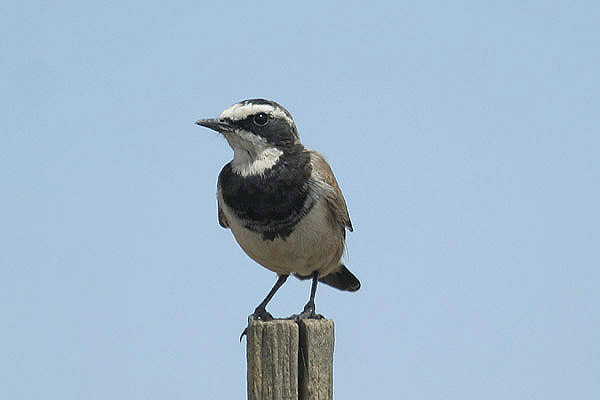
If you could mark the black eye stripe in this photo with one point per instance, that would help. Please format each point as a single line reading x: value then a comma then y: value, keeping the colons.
x: 261, y: 119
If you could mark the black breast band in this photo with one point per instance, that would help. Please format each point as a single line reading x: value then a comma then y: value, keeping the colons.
x: 274, y: 202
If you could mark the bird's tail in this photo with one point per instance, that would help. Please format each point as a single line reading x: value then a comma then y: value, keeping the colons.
x: 341, y: 278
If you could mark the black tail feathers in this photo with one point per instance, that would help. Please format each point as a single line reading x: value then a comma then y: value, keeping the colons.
x: 341, y: 278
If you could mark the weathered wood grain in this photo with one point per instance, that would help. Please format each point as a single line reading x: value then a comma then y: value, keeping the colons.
x: 272, y: 354
x: 290, y: 359
x: 315, y: 370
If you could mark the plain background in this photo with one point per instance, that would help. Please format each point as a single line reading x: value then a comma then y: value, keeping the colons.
x: 465, y: 136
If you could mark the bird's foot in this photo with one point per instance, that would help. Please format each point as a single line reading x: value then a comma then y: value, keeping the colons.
x: 259, y: 314
x: 307, y: 313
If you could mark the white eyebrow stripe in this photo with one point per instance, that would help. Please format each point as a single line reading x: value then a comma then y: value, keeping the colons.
x: 240, y: 111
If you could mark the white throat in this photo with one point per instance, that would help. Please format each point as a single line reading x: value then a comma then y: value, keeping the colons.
x: 252, y: 155
x: 245, y: 164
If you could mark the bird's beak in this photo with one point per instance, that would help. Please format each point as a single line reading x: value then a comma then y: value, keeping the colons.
x: 216, y: 124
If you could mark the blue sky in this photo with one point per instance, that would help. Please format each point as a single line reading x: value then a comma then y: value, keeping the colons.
x: 465, y: 138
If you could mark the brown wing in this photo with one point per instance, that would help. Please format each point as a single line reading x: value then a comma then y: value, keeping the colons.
x: 335, y: 198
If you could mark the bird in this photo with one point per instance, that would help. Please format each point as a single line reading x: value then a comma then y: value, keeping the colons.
x: 281, y: 201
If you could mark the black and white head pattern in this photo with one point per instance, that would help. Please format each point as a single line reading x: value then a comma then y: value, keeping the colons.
x: 264, y: 130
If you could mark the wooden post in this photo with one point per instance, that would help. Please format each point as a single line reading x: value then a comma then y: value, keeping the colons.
x: 315, y: 361
x: 290, y: 360
x: 272, y: 354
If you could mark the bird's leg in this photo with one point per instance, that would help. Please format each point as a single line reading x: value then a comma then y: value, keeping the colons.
x: 261, y: 312
x: 309, y: 308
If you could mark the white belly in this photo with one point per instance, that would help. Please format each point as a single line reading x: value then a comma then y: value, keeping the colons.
x: 316, y: 244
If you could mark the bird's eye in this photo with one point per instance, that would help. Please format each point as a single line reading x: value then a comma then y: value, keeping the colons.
x: 261, y: 119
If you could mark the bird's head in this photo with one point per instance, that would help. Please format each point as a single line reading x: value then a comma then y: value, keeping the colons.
x: 255, y: 125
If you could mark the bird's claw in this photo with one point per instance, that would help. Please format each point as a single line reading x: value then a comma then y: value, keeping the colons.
x: 259, y: 314
x: 307, y: 313
x: 303, y: 315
